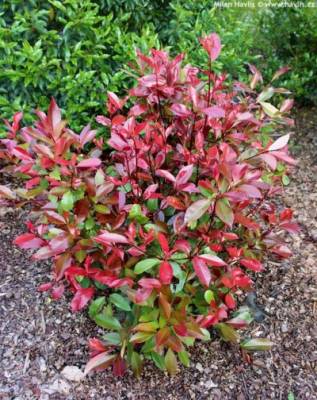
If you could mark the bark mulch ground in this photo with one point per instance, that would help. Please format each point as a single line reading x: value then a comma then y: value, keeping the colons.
x: 39, y: 337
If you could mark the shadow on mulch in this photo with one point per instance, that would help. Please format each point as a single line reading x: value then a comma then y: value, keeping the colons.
x: 39, y: 337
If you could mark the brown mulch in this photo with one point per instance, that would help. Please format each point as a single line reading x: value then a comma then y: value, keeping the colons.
x: 40, y: 337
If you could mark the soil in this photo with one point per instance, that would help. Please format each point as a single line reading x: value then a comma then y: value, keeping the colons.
x: 40, y: 337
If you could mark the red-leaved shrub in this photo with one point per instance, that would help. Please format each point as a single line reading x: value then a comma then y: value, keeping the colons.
x: 162, y: 227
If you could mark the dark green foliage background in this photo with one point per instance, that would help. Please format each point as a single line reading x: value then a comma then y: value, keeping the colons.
x: 76, y: 50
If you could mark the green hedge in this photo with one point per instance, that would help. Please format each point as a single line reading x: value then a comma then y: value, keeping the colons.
x: 77, y: 50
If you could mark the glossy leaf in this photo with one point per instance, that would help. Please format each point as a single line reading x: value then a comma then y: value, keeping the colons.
x: 145, y: 265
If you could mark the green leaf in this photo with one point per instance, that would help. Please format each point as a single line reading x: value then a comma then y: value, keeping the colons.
x: 96, y: 306
x: 285, y: 180
x: 141, y: 337
x: 120, y: 302
x: 158, y: 360
x: 145, y: 265
x: 112, y: 338
x: 107, y: 321
x: 180, y: 275
x: 184, y: 358
x: 136, y: 214
x: 265, y: 95
x: 256, y: 344
x: 171, y: 362
x: 224, y: 212
x: 152, y: 205
x: 136, y: 364
x: 227, y: 333
x: 67, y: 202
x: 209, y: 296
x: 290, y: 396
x: 270, y: 110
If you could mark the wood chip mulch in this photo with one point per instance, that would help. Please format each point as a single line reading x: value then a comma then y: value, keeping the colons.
x: 39, y: 337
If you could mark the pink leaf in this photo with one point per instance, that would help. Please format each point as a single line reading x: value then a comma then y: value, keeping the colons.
x: 251, y: 191
x: 149, y: 283
x: 279, y: 143
x: 269, y: 159
x: 291, y: 227
x: 184, y: 175
x: 212, y: 45
x: 57, y: 292
x: 214, y: 112
x: 142, y: 295
x: 107, y: 238
x: 287, y: 105
x: 86, y: 135
x: 180, y: 110
x: 280, y: 72
x: 54, y: 113
x: 28, y: 241
x: 114, y: 103
x: 212, y: 260
x: 202, y: 271
x: 6, y: 193
x: 89, y: 163
x: 165, y: 174
x: 81, y: 298
x: 103, y: 120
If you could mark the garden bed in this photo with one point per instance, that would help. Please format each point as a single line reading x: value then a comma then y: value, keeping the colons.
x: 40, y: 337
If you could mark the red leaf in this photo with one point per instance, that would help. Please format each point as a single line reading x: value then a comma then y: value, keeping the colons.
x: 202, y: 271
x: 96, y: 346
x: 252, y: 263
x: 230, y: 301
x: 102, y: 360
x: 163, y: 242
x: 119, y: 367
x: 81, y: 298
x: 166, y: 273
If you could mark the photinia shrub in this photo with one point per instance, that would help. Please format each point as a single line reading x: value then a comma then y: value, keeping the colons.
x: 160, y: 228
